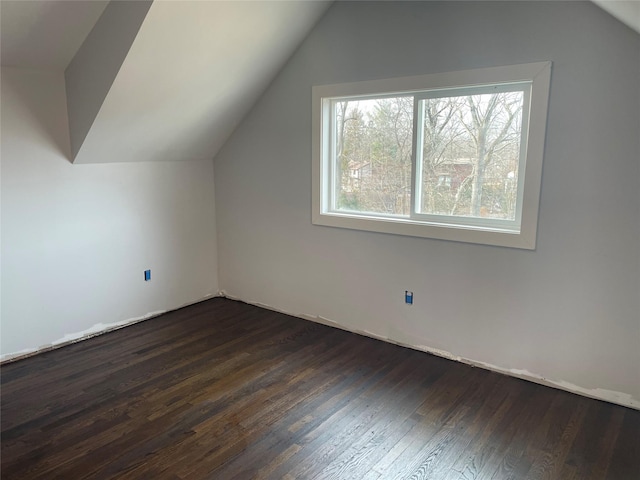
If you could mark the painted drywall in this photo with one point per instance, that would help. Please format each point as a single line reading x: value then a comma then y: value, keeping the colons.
x: 627, y: 11
x: 567, y: 313
x: 91, y: 72
x: 76, y: 239
x: 192, y: 73
x: 45, y: 33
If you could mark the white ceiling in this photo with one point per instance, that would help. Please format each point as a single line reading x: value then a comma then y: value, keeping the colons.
x: 192, y: 73
x: 45, y: 34
x: 627, y: 11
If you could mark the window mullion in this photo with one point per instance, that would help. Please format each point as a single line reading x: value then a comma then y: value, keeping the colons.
x: 334, y: 168
x: 524, y: 139
x: 416, y: 156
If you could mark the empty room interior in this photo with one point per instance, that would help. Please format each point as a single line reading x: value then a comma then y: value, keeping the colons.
x: 320, y: 239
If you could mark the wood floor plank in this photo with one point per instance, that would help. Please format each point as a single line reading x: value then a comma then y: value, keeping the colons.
x: 551, y: 458
x: 309, y: 417
x: 323, y: 443
x: 624, y: 462
x: 225, y: 390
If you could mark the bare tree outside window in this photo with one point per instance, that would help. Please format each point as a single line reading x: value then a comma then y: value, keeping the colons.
x: 374, y: 155
x: 451, y: 156
x: 470, y: 153
x: 474, y: 142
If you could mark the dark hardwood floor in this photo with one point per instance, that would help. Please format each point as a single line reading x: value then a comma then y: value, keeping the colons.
x: 225, y: 390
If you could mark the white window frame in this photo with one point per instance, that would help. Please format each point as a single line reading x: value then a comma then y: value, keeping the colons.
x: 519, y: 234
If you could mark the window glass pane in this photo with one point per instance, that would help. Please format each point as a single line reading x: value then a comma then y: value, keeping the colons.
x: 373, y: 155
x: 471, y: 154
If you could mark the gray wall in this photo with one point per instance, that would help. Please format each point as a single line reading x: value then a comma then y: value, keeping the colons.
x: 567, y: 313
x: 76, y: 239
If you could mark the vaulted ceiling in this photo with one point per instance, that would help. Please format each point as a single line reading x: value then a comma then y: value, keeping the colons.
x: 165, y: 80
x: 45, y: 34
x: 156, y: 81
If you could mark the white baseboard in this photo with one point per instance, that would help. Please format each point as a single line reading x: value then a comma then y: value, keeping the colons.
x: 610, y: 396
x: 98, y: 329
x: 619, y: 398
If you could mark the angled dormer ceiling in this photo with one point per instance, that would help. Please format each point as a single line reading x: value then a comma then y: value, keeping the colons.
x: 191, y: 73
x: 165, y: 80
x: 627, y: 11
x: 94, y: 68
x: 156, y: 81
x: 45, y: 34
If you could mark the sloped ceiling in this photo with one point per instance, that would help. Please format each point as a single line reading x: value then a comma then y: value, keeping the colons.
x: 627, y: 11
x: 191, y: 73
x: 45, y: 34
x: 94, y: 68
x: 178, y: 81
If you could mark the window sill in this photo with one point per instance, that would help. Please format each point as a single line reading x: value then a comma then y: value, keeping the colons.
x: 522, y: 239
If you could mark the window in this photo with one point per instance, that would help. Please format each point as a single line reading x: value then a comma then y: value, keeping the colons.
x: 454, y: 156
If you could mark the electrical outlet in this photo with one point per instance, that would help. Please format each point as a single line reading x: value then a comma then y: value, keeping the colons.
x: 408, y: 297
x: 147, y: 275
